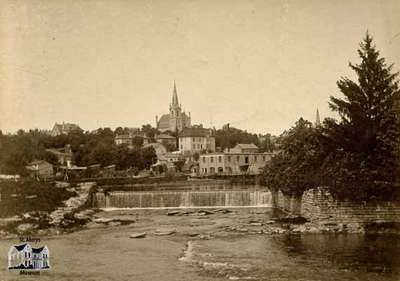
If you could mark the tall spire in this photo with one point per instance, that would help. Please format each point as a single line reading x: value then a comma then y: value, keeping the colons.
x: 175, y: 96
x: 317, y: 119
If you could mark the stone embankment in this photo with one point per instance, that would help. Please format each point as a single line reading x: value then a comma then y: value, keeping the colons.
x: 325, y: 214
x: 60, y: 216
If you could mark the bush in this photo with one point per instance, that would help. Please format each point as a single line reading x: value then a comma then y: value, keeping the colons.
x: 25, y: 196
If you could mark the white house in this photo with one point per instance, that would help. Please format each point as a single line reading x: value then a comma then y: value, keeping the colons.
x: 25, y: 257
x: 233, y: 163
x: 196, y: 139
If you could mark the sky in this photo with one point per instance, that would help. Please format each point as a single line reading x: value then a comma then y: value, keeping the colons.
x: 258, y: 65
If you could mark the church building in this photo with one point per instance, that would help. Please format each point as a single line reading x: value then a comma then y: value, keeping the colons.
x: 177, y: 119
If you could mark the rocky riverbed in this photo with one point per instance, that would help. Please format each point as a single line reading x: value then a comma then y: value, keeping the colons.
x: 211, y: 244
x: 73, y: 217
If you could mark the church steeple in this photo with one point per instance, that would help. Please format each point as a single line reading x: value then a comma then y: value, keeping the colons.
x: 317, y: 119
x: 175, y: 96
x: 175, y: 108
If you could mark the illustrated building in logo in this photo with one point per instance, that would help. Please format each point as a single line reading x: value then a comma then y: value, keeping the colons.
x: 25, y: 257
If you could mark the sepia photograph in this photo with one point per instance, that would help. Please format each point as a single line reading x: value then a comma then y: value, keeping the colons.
x: 200, y: 140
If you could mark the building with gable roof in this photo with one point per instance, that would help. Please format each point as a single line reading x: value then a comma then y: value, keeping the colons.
x: 40, y: 169
x: 64, y: 129
x: 242, y: 159
x: 196, y: 139
x: 166, y: 139
x: 244, y: 148
x: 64, y: 155
x: 25, y: 257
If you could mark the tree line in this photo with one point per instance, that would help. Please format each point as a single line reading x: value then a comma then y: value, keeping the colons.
x: 89, y: 148
x: 358, y: 156
x: 228, y: 137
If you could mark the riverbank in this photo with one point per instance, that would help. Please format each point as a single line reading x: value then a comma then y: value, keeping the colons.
x: 56, y: 217
x: 210, y: 244
x: 27, y: 195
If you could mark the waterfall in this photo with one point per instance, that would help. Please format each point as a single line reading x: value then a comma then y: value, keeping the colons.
x: 183, y: 199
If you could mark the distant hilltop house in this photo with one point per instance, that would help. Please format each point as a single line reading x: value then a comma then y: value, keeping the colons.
x: 196, y: 140
x: 128, y: 139
x: 25, y: 257
x: 63, y: 129
x: 166, y: 139
x: 242, y: 159
x: 40, y: 169
x: 177, y: 119
x: 64, y: 155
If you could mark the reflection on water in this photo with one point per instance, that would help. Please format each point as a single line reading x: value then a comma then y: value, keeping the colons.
x: 303, y: 257
x: 371, y: 253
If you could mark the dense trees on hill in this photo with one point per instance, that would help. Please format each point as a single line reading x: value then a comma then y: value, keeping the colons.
x: 357, y: 157
x: 97, y: 147
x: 228, y: 137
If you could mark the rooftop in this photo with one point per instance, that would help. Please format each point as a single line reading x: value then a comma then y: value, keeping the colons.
x: 38, y: 162
x: 246, y: 146
x: 237, y: 153
x: 20, y: 247
x: 196, y: 132
x: 164, y: 136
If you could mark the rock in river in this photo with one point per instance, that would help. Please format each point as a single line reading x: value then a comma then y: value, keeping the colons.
x: 173, y: 213
x: 138, y: 235
x: 25, y: 227
x: 103, y: 220
x: 161, y: 232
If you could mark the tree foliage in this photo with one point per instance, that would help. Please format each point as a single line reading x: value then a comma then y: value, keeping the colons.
x: 228, y: 137
x: 97, y: 147
x: 361, y: 148
x: 357, y: 157
x: 292, y: 170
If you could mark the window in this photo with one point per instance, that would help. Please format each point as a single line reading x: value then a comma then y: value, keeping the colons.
x: 255, y: 158
x: 229, y: 159
x: 204, y: 159
x: 212, y: 159
x: 219, y: 159
x: 193, y: 139
x: 238, y: 158
x: 194, y: 146
x: 246, y: 160
x: 263, y: 158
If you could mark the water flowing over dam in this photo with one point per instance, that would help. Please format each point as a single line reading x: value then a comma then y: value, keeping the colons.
x: 183, y: 199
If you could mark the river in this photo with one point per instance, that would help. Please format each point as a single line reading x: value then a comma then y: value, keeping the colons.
x: 217, y: 246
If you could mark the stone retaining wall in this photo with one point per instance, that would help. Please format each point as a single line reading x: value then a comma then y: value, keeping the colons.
x: 319, y: 206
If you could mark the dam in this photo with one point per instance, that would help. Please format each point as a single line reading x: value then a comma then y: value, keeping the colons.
x: 187, y: 196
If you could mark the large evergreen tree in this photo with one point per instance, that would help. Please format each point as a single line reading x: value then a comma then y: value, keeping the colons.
x: 361, y: 147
